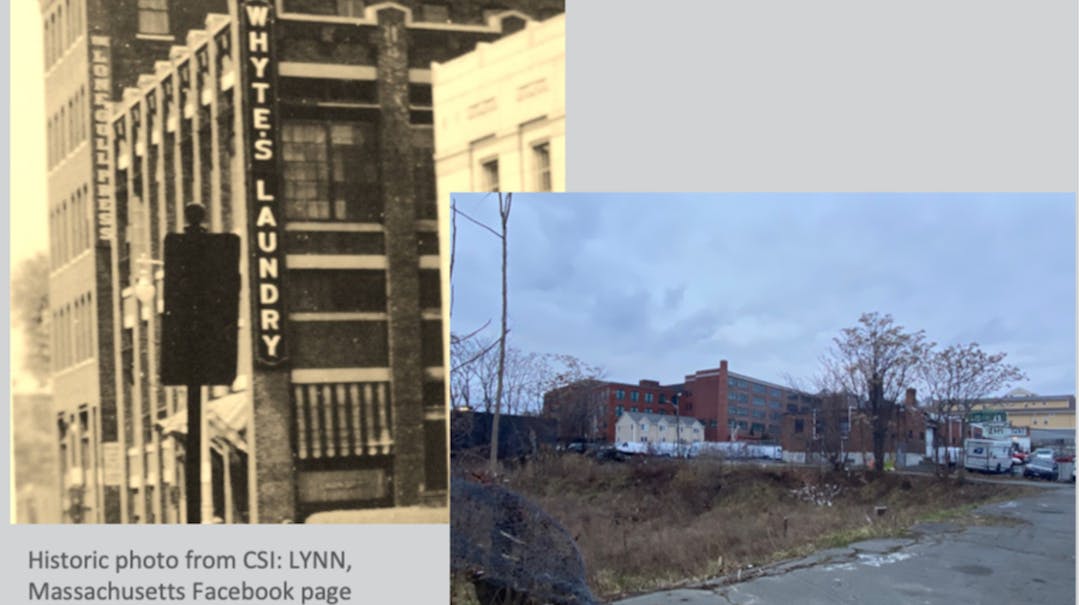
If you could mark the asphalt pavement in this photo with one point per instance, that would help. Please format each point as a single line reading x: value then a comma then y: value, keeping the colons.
x: 1028, y: 557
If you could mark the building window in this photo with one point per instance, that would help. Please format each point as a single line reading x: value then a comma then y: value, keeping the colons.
x: 759, y: 388
x: 331, y: 171
x: 350, y: 8
x: 489, y: 172
x: 633, y: 395
x: 542, y: 166
x: 618, y: 411
x: 154, y: 16
x: 649, y: 398
x: 799, y: 425
x: 620, y: 394
x: 759, y: 401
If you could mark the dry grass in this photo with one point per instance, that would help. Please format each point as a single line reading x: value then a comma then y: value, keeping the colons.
x: 652, y: 523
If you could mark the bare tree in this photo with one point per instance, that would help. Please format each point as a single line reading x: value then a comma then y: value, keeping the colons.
x: 831, y: 418
x: 875, y: 361
x: 505, y: 203
x: 504, y: 221
x: 572, y: 395
x: 30, y: 312
x: 957, y: 376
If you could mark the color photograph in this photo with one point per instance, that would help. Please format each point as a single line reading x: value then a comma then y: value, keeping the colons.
x: 662, y: 398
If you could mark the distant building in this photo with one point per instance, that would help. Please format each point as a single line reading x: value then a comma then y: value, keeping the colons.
x: 825, y: 429
x: 730, y: 406
x: 1026, y: 409
x: 736, y: 406
x: 642, y: 427
x: 500, y: 113
x: 589, y: 410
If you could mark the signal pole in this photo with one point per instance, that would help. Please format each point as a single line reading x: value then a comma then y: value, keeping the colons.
x: 199, y: 337
x: 194, y: 214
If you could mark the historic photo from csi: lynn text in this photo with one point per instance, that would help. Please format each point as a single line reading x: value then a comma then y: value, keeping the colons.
x: 230, y: 258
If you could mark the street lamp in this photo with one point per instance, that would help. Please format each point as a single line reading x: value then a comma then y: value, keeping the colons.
x: 143, y: 288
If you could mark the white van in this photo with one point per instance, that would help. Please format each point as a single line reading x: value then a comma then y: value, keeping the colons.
x: 989, y: 455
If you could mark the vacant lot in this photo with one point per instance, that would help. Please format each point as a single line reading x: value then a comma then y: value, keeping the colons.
x: 650, y: 523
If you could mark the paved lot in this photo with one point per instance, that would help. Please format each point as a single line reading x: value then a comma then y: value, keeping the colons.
x: 1031, y: 559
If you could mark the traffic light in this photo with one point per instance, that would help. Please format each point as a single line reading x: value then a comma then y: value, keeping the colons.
x: 202, y: 305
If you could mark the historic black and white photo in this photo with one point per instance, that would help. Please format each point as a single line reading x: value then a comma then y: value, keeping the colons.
x: 243, y: 222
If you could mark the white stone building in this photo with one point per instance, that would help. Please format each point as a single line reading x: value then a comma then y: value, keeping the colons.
x: 500, y: 114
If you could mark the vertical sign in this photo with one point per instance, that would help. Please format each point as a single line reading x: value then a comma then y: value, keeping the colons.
x: 264, y: 206
x: 101, y: 87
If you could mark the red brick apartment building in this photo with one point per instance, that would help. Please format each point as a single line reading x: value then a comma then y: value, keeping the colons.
x: 148, y: 105
x: 848, y: 428
x: 588, y: 410
x: 731, y: 406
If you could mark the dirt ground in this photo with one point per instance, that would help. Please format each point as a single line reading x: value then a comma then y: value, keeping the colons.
x: 650, y: 523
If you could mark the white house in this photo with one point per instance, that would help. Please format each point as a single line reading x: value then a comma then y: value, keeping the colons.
x: 641, y: 427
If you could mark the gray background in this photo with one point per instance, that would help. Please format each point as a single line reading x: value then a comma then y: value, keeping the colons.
x: 974, y: 95
x: 834, y: 95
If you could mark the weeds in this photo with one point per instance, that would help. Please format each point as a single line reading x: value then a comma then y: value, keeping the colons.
x: 651, y: 523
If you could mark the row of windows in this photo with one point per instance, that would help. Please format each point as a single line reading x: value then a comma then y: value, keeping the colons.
x: 540, y: 162
x: 620, y: 394
x: 619, y: 411
x: 68, y: 127
x: 738, y: 383
x: 756, y: 428
x: 63, y: 26
x: 73, y: 332
x: 69, y: 227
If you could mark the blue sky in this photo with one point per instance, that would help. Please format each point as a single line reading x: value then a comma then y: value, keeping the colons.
x: 660, y: 285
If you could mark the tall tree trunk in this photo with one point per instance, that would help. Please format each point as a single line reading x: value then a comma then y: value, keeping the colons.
x: 504, y: 216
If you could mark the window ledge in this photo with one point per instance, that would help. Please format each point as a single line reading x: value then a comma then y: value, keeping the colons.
x: 156, y: 37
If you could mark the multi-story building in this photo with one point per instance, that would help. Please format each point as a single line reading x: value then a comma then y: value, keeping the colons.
x: 1023, y: 408
x: 589, y: 410
x: 93, y: 49
x: 736, y: 406
x: 323, y: 106
x: 844, y: 427
x: 730, y: 406
x: 500, y: 114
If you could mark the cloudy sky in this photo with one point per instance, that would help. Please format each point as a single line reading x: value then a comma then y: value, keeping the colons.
x: 660, y: 285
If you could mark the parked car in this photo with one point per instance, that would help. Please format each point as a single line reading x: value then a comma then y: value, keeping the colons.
x: 1041, y: 466
x: 1043, y: 452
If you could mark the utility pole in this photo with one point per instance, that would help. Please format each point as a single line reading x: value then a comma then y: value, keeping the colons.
x: 678, y: 424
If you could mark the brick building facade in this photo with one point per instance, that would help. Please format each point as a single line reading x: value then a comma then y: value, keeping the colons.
x: 153, y: 104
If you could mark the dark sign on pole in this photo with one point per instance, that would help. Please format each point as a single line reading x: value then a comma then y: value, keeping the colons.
x: 264, y: 206
x: 202, y: 306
